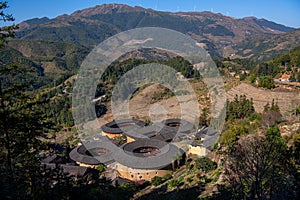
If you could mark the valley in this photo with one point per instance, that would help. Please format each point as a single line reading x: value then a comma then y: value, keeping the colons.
x: 246, y: 148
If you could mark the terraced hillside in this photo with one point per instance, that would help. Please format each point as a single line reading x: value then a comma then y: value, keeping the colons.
x: 141, y: 106
x: 286, y: 100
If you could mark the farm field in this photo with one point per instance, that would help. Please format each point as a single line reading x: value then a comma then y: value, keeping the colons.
x: 286, y: 100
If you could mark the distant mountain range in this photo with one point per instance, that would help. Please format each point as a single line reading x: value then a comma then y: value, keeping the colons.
x: 56, y: 43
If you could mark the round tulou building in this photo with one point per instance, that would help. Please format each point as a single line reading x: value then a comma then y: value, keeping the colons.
x: 145, y: 151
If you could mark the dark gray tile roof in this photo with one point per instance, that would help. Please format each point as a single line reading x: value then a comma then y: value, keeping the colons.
x: 164, y: 131
x: 117, y: 126
x: 89, y: 152
x: 180, y: 125
x: 79, y: 155
x: 49, y: 159
x: 129, y: 147
x: 166, y: 155
x: 209, y: 136
x: 157, y: 136
x: 55, y: 159
x: 69, y: 169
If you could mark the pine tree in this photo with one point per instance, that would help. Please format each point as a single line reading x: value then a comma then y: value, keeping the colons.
x: 21, y: 126
x: 6, y: 31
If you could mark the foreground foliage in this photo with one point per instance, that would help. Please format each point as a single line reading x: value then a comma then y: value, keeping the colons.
x: 259, y: 167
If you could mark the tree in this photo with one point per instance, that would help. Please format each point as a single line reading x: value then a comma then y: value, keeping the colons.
x: 267, y: 107
x: 274, y: 106
x: 21, y: 126
x: 21, y: 131
x: 266, y: 82
x: 100, y: 109
x: 6, y: 31
x: 267, y: 69
x: 271, y: 115
x: 259, y: 167
x: 232, y: 134
x: 292, y: 77
x: 295, y: 148
x: 239, y: 108
x: 205, y: 164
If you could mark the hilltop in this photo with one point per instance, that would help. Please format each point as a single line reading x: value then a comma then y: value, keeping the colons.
x: 221, y: 35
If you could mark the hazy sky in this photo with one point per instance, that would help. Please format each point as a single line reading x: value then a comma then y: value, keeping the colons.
x: 285, y: 12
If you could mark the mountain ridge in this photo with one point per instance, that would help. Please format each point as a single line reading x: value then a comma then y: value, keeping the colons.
x: 220, y: 35
x: 123, y: 8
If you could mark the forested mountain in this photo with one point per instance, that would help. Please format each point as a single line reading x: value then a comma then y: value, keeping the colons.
x: 54, y: 57
x: 221, y: 35
x: 285, y: 63
x: 57, y: 46
x: 51, y: 59
x: 263, y: 48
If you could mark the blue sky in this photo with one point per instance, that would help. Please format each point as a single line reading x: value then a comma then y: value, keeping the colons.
x: 285, y: 12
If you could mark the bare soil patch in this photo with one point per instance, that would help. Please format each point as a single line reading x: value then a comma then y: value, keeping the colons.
x: 287, y: 100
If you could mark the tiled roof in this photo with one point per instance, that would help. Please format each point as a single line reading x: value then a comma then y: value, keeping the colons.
x: 154, y: 136
x: 69, y: 169
x: 117, y: 126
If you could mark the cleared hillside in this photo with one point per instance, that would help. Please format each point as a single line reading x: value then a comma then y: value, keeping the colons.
x: 286, y: 100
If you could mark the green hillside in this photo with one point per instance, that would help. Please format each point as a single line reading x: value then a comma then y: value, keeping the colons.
x: 53, y: 60
x: 221, y: 35
x: 265, y: 48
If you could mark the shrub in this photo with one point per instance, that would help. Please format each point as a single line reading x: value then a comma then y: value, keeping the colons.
x: 100, y: 168
x: 174, y: 183
x: 156, y: 180
x: 266, y: 82
x: 231, y: 135
x: 205, y: 164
